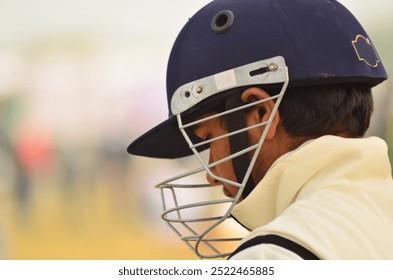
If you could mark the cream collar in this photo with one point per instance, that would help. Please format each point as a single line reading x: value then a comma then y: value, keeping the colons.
x: 294, y: 172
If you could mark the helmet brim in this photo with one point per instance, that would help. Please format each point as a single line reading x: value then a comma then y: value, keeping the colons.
x: 166, y: 140
x: 162, y: 141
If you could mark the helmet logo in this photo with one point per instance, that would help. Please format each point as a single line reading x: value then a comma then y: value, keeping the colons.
x: 366, y: 51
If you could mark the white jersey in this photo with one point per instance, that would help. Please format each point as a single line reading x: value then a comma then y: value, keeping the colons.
x: 333, y: 197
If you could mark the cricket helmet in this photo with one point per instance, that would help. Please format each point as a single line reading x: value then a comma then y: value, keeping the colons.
x: 320, y: 40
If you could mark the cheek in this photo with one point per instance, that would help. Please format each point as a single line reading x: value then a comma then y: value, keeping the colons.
x: 219, y: 150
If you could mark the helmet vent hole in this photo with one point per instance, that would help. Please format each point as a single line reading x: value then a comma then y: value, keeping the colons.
x: 222, y: 21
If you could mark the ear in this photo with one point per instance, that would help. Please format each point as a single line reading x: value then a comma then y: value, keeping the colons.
x: 261, y: 112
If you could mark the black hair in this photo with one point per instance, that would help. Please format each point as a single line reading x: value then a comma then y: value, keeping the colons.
x: 321, y: 110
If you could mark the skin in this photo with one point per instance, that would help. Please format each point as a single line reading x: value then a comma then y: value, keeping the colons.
x: 277, y: 141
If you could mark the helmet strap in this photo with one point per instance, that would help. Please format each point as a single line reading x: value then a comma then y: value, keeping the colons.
x: 239, y: 142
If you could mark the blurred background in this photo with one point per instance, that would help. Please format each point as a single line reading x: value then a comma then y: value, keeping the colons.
x: 80, y: 79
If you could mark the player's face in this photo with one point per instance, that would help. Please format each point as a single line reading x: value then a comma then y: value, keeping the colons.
x: 275, y: 144
x: 218, y: 150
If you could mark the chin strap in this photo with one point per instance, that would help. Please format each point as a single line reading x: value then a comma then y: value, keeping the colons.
x: 238, y: 142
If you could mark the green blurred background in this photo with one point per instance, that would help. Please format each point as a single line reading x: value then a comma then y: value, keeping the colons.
x: 79, y: 79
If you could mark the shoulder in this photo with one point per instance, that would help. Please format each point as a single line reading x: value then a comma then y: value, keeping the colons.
x: 272, y: 247
x: 265, y: 252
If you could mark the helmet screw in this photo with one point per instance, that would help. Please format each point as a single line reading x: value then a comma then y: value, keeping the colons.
x: 272, y: 67
x: 199, y: 89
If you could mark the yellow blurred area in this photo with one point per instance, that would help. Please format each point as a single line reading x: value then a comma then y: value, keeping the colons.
x: 87, y: 226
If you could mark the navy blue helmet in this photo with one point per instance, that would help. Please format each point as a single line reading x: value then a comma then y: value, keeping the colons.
x: 321, y: 41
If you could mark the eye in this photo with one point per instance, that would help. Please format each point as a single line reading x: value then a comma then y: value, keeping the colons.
x: 201, y: 131
x: 202, y: 136
x: 206, y: 128
x: 206, y: 137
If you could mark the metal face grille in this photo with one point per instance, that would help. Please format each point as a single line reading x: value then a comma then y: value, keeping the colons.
x: 199, y: 213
